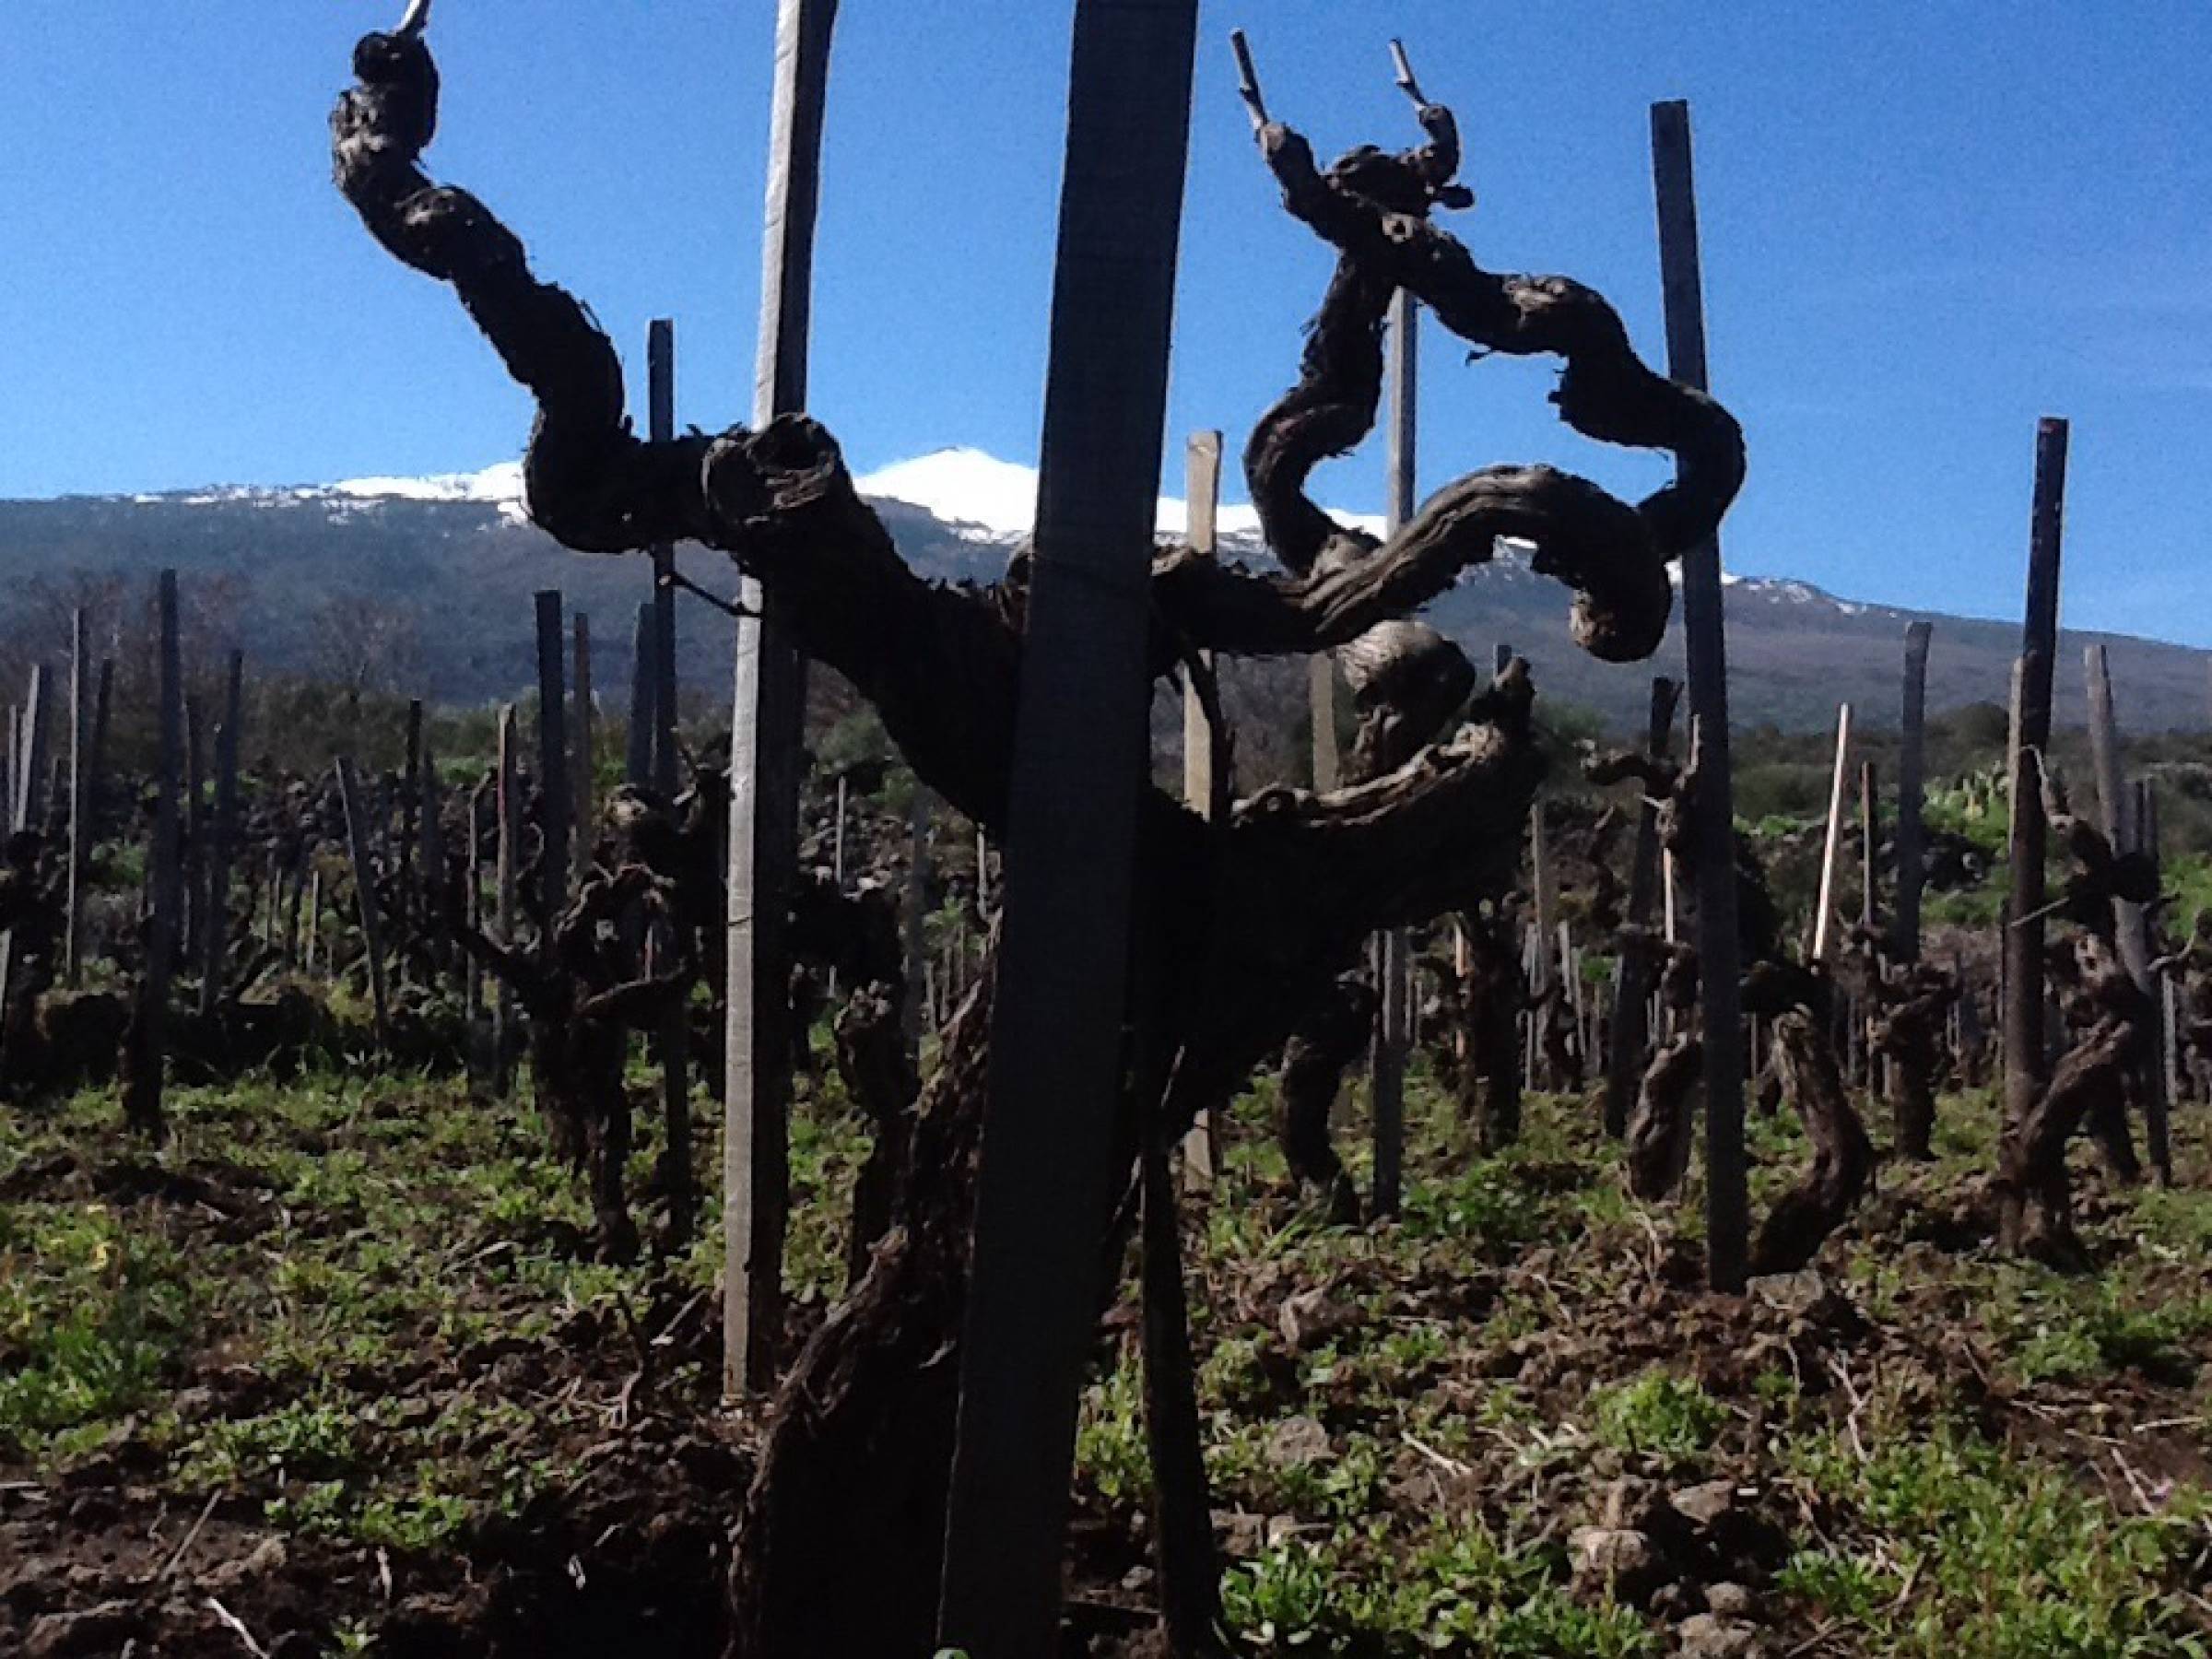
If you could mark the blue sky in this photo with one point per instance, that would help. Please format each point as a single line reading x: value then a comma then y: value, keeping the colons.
x: 1926, y: 225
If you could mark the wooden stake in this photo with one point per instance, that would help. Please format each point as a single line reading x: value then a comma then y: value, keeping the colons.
x: 2026, y: 1065
x: 1825, y: 909
x: 1910, y: 794
x: 1046, y: 1181
x: 1201, y: 489
x: 1712, y: 829
x: 769, y: 707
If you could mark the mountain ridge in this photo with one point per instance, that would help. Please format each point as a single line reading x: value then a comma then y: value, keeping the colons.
x: 456, y: 552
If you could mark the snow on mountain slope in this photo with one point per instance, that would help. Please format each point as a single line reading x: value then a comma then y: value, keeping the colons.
x: 989, y: 500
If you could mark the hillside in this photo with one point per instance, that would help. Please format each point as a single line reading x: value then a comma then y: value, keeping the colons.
x: 458, y: 558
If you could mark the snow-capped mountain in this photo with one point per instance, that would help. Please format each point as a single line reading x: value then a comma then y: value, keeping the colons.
x: 457, y: 551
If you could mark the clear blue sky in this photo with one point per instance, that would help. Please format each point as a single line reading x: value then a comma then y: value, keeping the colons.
x: 1926, y: 224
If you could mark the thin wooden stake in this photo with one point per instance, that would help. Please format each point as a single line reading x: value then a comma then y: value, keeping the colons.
x: 2026, y: 1063
x: 1712, y: 829
x: 1825, y: 909
x: 768, y: 706
x: 1202, y: 490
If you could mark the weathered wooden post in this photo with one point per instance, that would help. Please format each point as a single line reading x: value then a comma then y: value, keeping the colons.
x: 2026, y: 1066
x: 29, y: 802
x: 1045, y: 1185
x: 553, y: 798
x: 768, y: 706
x: 80, y: 802
x: 1631, y: 984
x: 1201, y: 489
x: 1712, y: 830
x: 215, y: 944
x: 1387, y: 1082
x: 1825, y: 909
x: 585, y: 759
x: 149, y: 1036
x: 364, y: 886
x: 1911, y: 785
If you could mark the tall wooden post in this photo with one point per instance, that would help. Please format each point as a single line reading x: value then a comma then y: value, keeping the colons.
x: 1632, y: 985
x: 2024, y: 1065
x: 1824, y: 911
x: 81, y: 801
x: 149, y: 1035
x: 1388, y: 1079
x: 1911, y: 784
x: 215, y: 944
x: 1202, y: 490
x: 1712, y: 831
x: 770, y: 694
x: 1045, y: 1185
x: 553, y: 801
